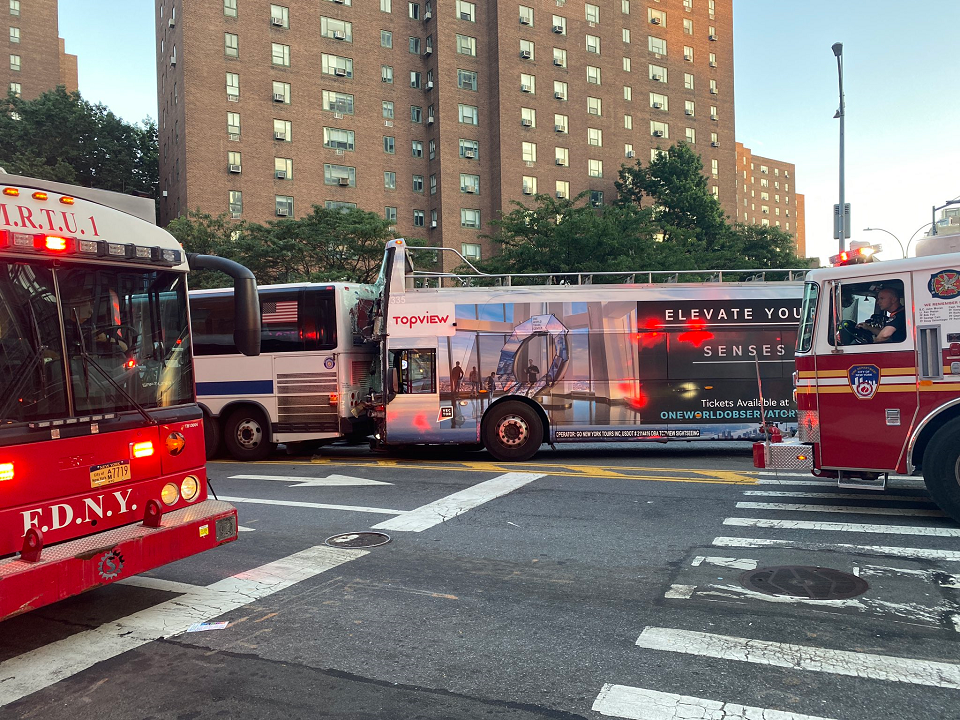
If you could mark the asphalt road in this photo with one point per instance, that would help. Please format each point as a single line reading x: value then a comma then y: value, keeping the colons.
x: 590, y: 582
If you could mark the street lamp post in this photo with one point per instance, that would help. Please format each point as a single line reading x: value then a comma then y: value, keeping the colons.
x: 838, y: 51
x: 909, y: 242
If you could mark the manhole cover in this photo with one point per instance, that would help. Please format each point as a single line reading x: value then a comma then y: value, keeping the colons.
x: 358, y: 540
x: 814, y: 583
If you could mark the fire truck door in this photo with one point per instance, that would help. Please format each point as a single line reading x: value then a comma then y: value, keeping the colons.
x: 866, y: 373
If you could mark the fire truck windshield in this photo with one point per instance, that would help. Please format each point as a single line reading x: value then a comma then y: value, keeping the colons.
x: 811, y: 292
x: 64, y: 330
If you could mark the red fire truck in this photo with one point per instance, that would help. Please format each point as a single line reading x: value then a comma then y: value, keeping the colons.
x: 878, y: 376
x: 101, y: 440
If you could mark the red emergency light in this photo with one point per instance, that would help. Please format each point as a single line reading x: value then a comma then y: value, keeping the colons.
x: 855, y: 256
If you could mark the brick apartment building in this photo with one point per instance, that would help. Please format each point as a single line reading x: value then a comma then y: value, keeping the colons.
x: 436, y: 113
x: 766, y: 195
x: 37, y: 59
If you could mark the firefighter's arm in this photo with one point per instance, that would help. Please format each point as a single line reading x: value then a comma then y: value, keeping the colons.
x: 885, y: 334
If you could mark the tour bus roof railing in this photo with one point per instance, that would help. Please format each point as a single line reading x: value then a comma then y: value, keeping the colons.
x: 587, y: 278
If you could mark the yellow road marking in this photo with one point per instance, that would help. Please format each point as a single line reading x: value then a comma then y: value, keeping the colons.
x: 722, y: 477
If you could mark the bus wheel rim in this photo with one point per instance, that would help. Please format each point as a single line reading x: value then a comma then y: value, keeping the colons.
x: 249, y: 433
x: 513, y: 430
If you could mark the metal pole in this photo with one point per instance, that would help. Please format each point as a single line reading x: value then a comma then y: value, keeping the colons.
x: 838, y: 51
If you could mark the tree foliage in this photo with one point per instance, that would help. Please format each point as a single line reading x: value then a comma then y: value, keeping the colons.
x: 60, y: 136
x: 664, y: 218
x: 325, y: 246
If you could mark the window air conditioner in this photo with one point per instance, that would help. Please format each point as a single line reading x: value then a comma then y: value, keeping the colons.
x: 713, y: 63
x: 713, y: 91
x: 713, y: 37
x: 713, y: 117
x: 471, y: 189
x: 688, y: 58
x: 428, y: 50
x: 560, y: 162
x: 343, y: 181
x: 657, y: 78
x: 655, y: 20
x: 465, y: 16
x: 715, y: 143
x: 339, y: 2
x: 558, y: 29
x: 429, y: 84
x: 524, y: 54
x: 558, y: 128
x: 429, y: 119
x: 558, y: 95
x: 428, y: 14
x: 339, y: 35
x: 280, y: 174
x: 524, y: 21
x: 233, y: 98
x: 433, y: 223
x: 591, y: 48
x: 525, y: 88
x: 340, y: 71
x: 234, y: 216
x: 630, y: 153
x: 469, y: 154
x: 233, y: 136
x: 657, y: 105
x: 688, y: 112
x: 234, y: 168
x: 278, y: 135
x: 527, y: 190
x: 526, y: 122
x: 658, y: 133
x: 171, y: 22
x: 282, y: 212
x: 279, y: 97
x: 276, y: 21
x: 561, y: 194
x: 173, y: 59
x: 558, y: 62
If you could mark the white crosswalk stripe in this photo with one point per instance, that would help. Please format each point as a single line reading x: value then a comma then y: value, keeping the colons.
x: 846, y: 509
x: 842, y: 527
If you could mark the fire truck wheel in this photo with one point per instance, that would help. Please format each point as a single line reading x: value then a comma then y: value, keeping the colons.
x: 941, y: 468
x: 245, y: 435
x: 512, y: 431
x: 212, y: 436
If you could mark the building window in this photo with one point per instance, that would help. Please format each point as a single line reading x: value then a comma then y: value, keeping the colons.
x: 559, y: 25
x: 417, y: 183
x: 526, y: 15
x: 336, y: 29
x: 341, y: 206
x: 596, y: 198
x: 529, y: 152
x: 657, y: 17
x: 592, y: 13
x: 593, y: 75
x: 390, y: 213
x: 413, y: 10
x: 528, y: 83
x: 527, y: 50
x: 658, y: 73
x: 337, y: 139
x: 233, y: 85
x: 469, y: 115
x: 469, y: 149
x: 14, y: 35
x: 688, y: 81
x: 626, y: 64
x: 416, y: 148
x: 336, y: 65
x: 529, y: 185
x: 659, y: 129
x: 281, y: 92
x: 628, y: 122
x: 714, y: 139
x: 691, y: 136
x: 713, y: 60
x: 283, y: 130
x: 386, y: 6
x: 595, y: 168
x: 416, y: 114
x: 279, y: 16
x: 559, y: 57
x: 625, y: 7
x: 235, y: 203
x: 626, y: 35
x: 659, y: 102
x: 466, y: 11
x: 283, y: 168
x: 387, y: 109
x: 467, y: 80
x: 433, y: 186
x: 284, y: 205
x: 687, y: 26
x: 469, y: 184
x: 689, y: 108
x: 657, y: 45
x: 280, y: 54
x: 594, y: 106
x: 561, y: 124
x: 628, y: 150
x: 559, y: 90
x: 338, y: 102
x: 470, y: 251
x: 561, y: 156
x: 233, y: 124
x: 467, y: 45
x: 231, y: 45
x: 233, y: 159
x: 563, y: 189
x: 415, y: 45
x: 711, y: 33
x: 229, y: 7
x: 16, y: 89
x: 415, y: 79
x: 390, y: 180
x: 627, y: 93
x: 386, y: 39
x: 688, y: 53
x: 528, y: 117
x: 432, y: 149
x: 469, y: 218
x: 713, y: 87
x: 335, y: 174
x: 418, y: 218
x: 386, y: 73
x: 593, y: 44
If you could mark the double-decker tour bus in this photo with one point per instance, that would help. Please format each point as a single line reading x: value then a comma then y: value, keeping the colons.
x: 523, y: 360
x: 101, y: 440
x: 311, y: 377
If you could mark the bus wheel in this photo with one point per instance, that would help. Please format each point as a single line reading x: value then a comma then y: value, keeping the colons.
x: 212, y: 436
x: 941, y: 468
x: 512, y: 431
x: 245, y: 435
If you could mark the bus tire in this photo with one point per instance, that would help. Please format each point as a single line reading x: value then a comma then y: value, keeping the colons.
x: 512, y: 431
x: 941, y: 468
x: 212, y: 436
x: 246, y: 433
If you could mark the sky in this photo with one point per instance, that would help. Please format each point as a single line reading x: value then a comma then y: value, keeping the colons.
x: 901, y: 129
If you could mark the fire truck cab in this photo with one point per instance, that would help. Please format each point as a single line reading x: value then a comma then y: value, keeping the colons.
x: 878, y: 374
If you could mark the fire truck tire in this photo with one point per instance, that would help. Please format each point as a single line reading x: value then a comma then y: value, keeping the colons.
x: 212, y: 436
x: 245, y: 435
x: 512, y: 431
x: 941, y: 468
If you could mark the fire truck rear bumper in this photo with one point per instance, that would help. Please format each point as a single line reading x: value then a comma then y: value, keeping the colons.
x: 783, y: 456
x: 74, y: 567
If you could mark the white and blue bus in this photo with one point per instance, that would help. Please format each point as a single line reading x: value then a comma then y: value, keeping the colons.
x: 312, y: 371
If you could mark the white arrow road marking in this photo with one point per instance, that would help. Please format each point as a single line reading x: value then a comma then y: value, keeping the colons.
x: 318, y: 506
x: 803, y: 657
x: 329, y: 481
x: 40, y: 668
x: 244, y: 528
x: 641, y: 704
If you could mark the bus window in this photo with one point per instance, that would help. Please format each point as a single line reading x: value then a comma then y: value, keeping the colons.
x: 211, y: 320
x: 414, y: 371
x: 279, y: 318
x: 318, y: 324
x: 870, y: 312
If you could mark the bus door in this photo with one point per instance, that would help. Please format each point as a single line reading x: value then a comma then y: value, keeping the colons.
x: 413, y: 392
x: 866, y: 370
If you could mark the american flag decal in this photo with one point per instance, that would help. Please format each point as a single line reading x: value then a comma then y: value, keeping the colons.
x: 282, y: 311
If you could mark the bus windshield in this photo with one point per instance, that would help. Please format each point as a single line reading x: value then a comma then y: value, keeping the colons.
x: 811, y: 291
x: 80, y: 341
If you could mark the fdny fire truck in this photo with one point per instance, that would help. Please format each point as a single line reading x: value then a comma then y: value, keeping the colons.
x: 878, y: 376
x: 101, y: 440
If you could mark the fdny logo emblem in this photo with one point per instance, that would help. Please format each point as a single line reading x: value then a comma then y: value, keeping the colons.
x: 945, y: 284
x: 864, y: 380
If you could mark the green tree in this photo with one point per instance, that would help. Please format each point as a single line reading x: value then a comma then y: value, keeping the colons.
x: 60, y: 136
x: 205, y: 234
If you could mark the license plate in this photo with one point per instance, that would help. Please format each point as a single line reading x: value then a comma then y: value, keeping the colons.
x: 110, y: 473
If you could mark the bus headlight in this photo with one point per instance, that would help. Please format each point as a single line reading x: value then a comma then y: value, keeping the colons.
x: 170, y: 494
x: 190, y: 488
